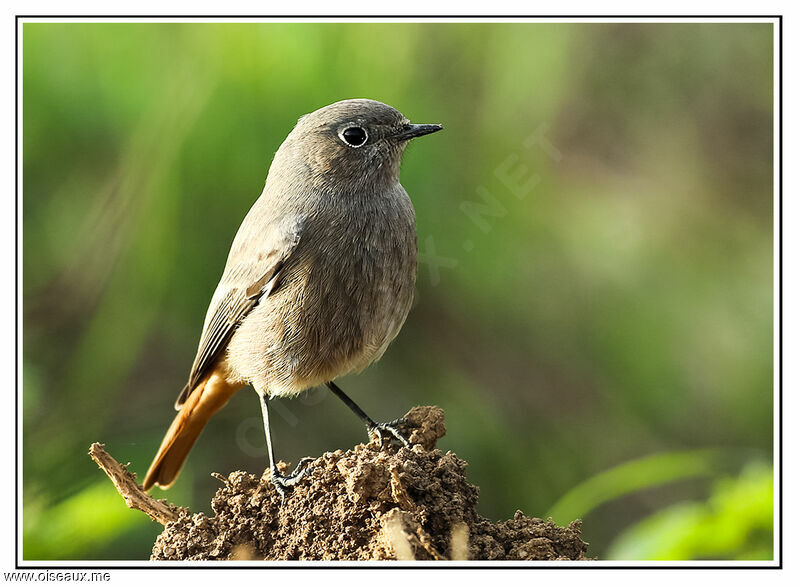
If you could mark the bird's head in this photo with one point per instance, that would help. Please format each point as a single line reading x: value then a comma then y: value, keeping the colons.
x: 351, y: 145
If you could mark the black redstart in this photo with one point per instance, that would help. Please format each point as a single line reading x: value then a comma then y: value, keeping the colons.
x: 319, y: 279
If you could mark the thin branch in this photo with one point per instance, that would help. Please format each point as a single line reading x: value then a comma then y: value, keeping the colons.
x: 133, y: 494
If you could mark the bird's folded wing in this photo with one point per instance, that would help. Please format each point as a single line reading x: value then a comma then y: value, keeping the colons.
x: 243, y: 285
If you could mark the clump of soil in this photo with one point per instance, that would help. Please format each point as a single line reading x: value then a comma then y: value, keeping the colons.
x: 367, y: 503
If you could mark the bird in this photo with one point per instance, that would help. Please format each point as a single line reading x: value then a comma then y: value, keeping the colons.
x: 319, y: 279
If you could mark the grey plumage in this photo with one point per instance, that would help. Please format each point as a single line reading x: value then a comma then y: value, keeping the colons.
x: 335, y: 232
x: 319, y: 279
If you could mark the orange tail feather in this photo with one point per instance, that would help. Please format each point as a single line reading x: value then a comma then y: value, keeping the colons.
x: 205, y: 400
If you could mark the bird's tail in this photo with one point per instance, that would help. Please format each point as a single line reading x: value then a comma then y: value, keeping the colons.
x: 205, y: 400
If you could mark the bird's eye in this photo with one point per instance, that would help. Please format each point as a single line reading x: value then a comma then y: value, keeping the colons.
x: 355, y: 136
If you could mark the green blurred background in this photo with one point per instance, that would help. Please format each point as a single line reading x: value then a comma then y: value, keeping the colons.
x: 602, y: 346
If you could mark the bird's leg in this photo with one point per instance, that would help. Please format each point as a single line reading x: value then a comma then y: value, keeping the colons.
x: 379, y: 429
x: 282, y: 483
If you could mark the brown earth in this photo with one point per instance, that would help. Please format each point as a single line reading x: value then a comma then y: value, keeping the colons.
x: 367, y: 503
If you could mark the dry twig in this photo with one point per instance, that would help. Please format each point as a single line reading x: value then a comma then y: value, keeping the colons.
x: 133, y: 494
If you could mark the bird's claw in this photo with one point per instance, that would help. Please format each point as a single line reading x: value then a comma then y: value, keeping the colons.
x: 390, y: 429
x: 285, y: 483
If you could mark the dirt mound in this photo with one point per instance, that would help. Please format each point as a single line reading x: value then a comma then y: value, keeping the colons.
x: 364, y: 504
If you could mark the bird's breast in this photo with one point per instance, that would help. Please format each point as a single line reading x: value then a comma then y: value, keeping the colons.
x: 342, y: 299
x: 362, y: 281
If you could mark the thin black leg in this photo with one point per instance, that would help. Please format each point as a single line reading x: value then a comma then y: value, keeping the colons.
x: 374, y: 428
x: 369, y: 422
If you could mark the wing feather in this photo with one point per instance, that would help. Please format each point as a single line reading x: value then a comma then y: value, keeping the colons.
x: 242, y: 287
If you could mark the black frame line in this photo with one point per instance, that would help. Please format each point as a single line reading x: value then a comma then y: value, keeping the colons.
x: 503, y: 565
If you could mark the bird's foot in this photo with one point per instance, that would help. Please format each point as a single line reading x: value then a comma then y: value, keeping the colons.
x: 390, y: 430
x: 285, y: 483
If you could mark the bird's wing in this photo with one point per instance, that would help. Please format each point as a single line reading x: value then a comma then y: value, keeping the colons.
x: 248, y: 278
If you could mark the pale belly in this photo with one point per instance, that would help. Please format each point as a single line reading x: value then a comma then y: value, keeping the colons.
x: 330, y: 317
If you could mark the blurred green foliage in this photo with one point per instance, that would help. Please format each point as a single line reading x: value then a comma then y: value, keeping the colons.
x: 79, y: 524
x: 620, y: 309
x: 644, y: 473
x: 735, y: 523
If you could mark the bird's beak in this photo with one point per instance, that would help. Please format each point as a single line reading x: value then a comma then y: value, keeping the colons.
x: 412, y: 131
